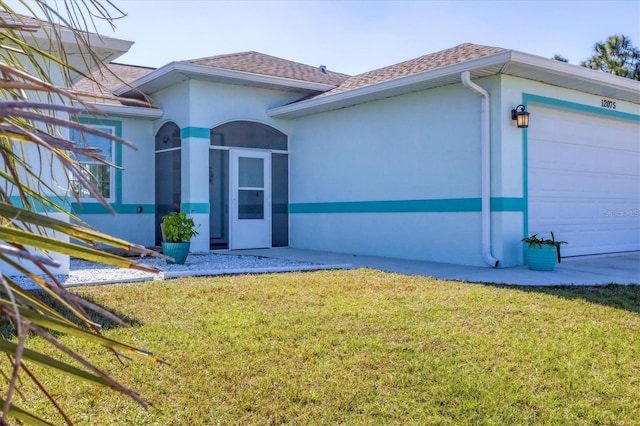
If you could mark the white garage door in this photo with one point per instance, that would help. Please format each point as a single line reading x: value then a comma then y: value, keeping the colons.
x: 584, y: 180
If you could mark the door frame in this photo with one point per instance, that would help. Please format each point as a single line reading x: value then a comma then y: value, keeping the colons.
x: 249, y: 233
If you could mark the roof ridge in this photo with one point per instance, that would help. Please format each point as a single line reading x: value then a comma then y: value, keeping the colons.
x: 432, y: 54
x: 221, y: 56
x: 265, y: 64
x: 132, y: 65
x: 248, y: 52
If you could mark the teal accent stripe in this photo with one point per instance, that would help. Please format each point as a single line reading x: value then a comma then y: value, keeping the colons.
x: 195, y: 132
x: 195, y: 208
x: 529, y: 98
x: 38, y: 207
x: 450, y: 205
x: 97, y: 208
x: 507, y: 204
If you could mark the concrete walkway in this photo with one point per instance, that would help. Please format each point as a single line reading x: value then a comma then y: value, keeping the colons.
x: 620, y: 268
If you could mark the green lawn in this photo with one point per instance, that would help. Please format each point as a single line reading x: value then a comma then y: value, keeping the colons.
x: 364, y: 347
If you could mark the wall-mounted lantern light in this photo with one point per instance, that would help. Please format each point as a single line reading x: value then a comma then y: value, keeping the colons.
x: 521, y: 116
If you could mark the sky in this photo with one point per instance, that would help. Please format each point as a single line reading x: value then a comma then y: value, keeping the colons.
x: 358, y: 36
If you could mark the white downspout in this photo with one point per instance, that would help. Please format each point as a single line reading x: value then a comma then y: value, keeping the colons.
x: 485, y: 140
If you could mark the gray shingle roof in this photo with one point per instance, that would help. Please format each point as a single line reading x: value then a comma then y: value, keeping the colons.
x: 115, y: 76
x: 19, y: 20
x: 259, y: 63
x: 454, y: 55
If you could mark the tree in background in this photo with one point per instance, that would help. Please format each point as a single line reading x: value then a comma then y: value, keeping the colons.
x: 560, y: 58
x: 36, y: 117
x: 617, y: 56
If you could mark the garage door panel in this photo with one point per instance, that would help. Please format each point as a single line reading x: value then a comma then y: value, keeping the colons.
x: 584, y: 180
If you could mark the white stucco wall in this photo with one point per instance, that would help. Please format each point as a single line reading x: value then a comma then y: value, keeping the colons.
x: 50, y: 171
x: 509, y: 168
x: 419, y: 151
x: 201, y: 105
x: 136, y: 189
x: 420, y: 146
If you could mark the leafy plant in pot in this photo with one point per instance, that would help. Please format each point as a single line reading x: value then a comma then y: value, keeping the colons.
x: 177, y: 231
x: 542, y: 254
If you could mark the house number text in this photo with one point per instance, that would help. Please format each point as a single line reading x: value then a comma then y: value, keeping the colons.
x: 608, y: 104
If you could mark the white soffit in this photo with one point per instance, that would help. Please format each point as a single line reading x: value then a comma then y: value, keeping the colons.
x: 575, y: 77
x: 128, y: 111
x: 509, y: 62
x: 106, y: 49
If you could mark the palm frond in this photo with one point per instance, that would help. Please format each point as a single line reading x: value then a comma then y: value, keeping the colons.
x: 36, y: 115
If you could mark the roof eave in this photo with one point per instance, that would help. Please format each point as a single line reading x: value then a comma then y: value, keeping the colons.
x: 130, y: 111
x: 500, y: 63
x: 601, y: 81
x: 388, y: 88
x: 153, y: 81
x: 105, y: 48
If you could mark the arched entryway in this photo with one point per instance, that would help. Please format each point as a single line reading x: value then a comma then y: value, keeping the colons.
x: 168, y: 171
x: 248, y: 186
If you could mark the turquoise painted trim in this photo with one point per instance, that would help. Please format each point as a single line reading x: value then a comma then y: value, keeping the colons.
x: 38, y: 207
x: 117, y: 125
x: 559, y: 103
x: 97, y: 208
x: 195, y: 132
x: 507, y: 204
x: 528, y: 98
x: 451, y: 205
x: 197, y: 208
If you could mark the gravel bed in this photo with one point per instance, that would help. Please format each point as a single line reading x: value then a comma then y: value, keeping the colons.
x: 88, y: 273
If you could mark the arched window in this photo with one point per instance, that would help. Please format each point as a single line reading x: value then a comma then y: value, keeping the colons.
x: 248, y: 134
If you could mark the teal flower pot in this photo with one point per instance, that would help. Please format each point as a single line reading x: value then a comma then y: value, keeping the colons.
x: 179, y: 251
x: 541, y: 258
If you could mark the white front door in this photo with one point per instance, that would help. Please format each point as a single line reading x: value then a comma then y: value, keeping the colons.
x: 250, y: 193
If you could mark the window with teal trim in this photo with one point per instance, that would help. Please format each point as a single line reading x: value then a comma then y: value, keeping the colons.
x: 101, y: 176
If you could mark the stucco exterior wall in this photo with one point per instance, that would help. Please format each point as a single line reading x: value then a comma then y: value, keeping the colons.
x: 509, y: 168
x: 410, y: 163
x: 134, y: 191
x: 400, y: 177
x: 50, y: 171
x: 198, y: 106
x: 205, y: 105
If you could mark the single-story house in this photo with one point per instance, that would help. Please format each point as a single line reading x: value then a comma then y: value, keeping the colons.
x: 418, y: 160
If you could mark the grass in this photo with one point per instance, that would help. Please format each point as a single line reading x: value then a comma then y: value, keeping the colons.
x: 364, y: 347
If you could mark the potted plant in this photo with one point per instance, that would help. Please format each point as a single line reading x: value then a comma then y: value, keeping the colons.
x: 177, y: 231
x: 542, y: 254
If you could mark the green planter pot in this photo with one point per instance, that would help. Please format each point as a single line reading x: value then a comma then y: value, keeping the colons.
x: 542, y: 258
x: 179, y: 251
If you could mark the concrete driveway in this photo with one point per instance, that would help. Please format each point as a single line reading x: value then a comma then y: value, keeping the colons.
x: 619, y: 268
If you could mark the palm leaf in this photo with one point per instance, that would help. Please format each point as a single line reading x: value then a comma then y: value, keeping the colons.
x: 38, y: 358
x: 25, y: 416
x: 31, y: 116
x: 72, y: 230
x: 41, y: 242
